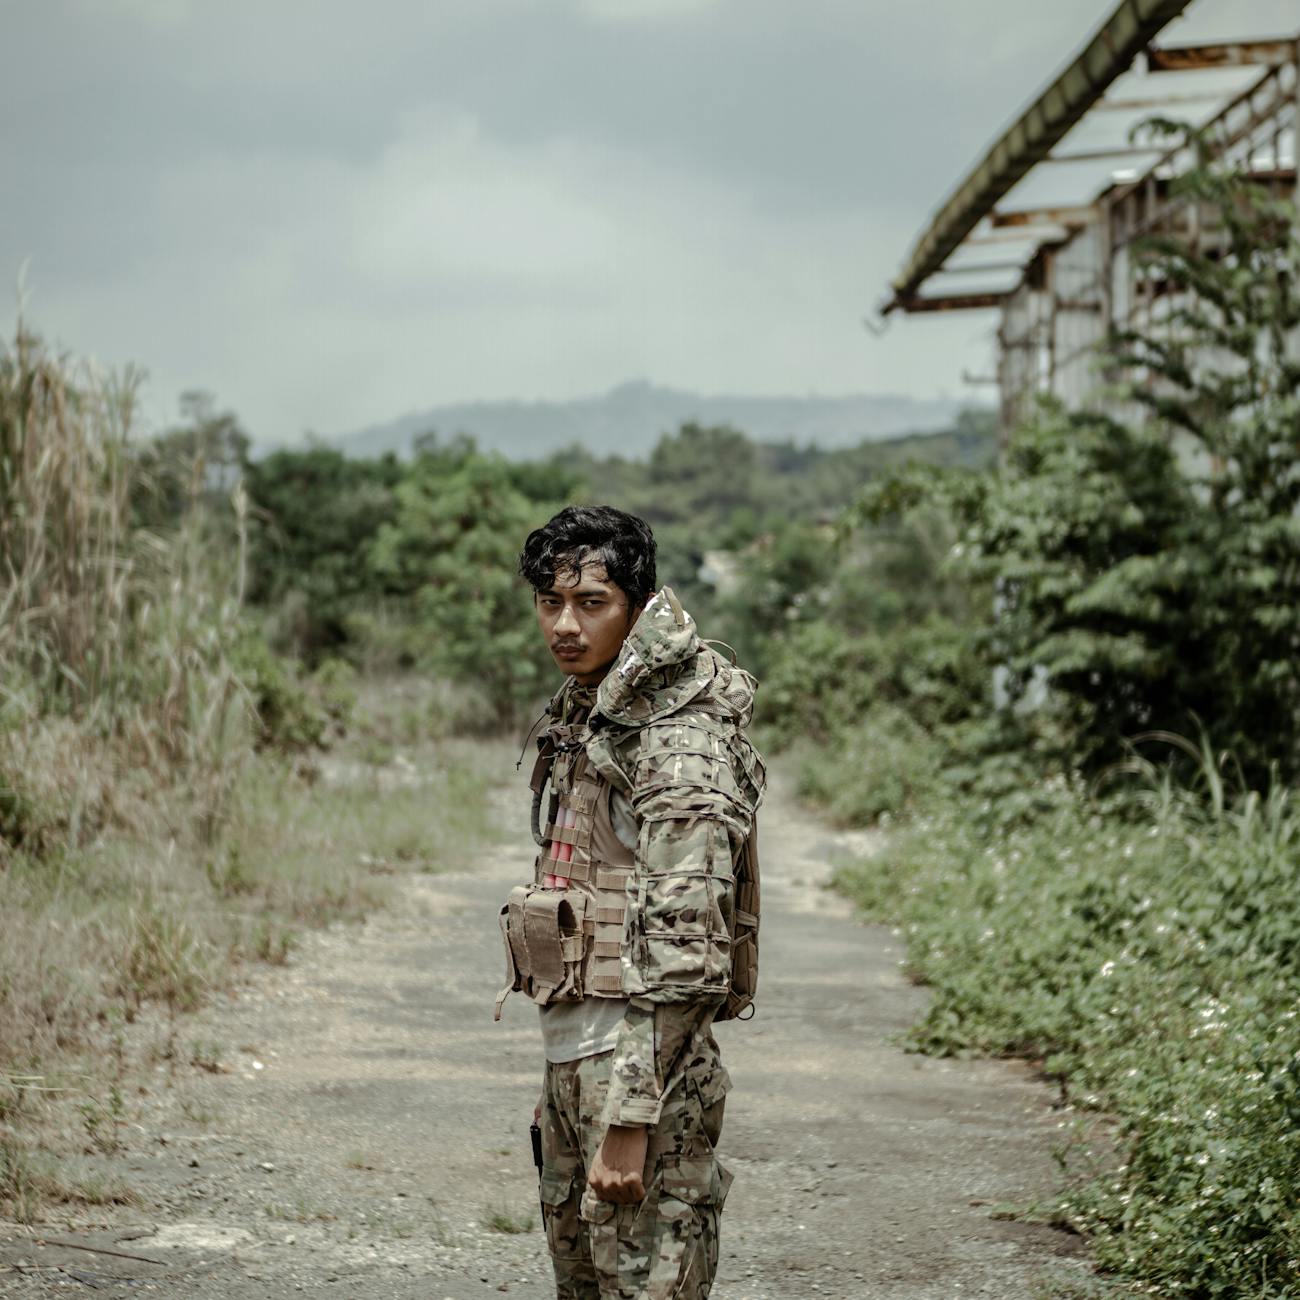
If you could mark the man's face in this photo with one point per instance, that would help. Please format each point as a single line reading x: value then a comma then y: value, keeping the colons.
x: 584, y: 618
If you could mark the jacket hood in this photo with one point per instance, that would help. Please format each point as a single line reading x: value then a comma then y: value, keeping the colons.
x: 663, y: 665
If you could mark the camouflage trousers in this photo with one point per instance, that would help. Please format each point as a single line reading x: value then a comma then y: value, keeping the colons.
x: 667, y: 1246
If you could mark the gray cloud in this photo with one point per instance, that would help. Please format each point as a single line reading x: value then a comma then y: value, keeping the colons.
x: 328, y: 213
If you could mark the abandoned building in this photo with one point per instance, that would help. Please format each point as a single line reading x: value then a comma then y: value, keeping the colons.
x: 1042, y: 228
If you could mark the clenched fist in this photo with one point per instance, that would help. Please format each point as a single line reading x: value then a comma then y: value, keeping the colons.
x: 616, y: 1172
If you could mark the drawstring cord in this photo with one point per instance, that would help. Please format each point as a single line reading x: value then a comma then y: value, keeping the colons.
x: 523, y: 749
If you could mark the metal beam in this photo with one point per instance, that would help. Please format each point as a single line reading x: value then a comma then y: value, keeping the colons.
x: 976, y: 268
x: 1101, y: 155
x: 1074, y: 216
x: 1120, y: 39
x: 1225, y: 54
x: 1145, y: 103
x: 1221, y: 143
x: 951, y: 302
x: 1021, y: 235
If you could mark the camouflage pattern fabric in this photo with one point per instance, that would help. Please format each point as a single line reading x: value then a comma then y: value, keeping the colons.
x: 667, y: 1246
x: 667, y: 730
x: 676, y: 744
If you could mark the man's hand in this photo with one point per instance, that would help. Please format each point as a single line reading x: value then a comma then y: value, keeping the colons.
x: 616, y: 1172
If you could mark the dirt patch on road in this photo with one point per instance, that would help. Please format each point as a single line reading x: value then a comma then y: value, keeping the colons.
x: 362, y: 1127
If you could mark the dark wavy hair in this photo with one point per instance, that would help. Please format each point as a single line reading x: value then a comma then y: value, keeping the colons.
x: 583, y: 535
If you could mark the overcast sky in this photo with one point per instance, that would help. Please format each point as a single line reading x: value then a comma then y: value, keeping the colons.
x: 329, y: 213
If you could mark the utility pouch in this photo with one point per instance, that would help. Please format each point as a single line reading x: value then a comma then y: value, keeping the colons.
x: 542, y: 931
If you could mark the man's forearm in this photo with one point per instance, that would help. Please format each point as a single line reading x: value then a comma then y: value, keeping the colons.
x: 650, y: 1056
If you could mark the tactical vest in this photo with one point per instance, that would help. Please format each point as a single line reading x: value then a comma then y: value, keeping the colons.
x: 563, y: 934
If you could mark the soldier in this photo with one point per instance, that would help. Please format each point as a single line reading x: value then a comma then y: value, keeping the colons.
x: 625, y: 938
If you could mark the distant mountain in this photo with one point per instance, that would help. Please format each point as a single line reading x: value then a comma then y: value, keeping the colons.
x: 629, y: 420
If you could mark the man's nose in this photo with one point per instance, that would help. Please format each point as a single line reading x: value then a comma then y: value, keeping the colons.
x: 567, y: 623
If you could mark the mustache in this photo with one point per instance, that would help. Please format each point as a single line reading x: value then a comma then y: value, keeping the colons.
x: 567, y: 645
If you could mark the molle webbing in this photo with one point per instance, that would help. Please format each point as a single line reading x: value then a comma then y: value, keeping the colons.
x: 564, y: 934
x: 603, y: 974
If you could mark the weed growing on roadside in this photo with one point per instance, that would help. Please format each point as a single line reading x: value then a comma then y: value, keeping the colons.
x: 1149, y: 958
x: 499, y: 1218
x: 101, y: 1120
x: 206, y: 1055
x: 197, y: 1112
x: 299, y: 1210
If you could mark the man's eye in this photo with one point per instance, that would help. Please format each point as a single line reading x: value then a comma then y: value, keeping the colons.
x: 593, y: 604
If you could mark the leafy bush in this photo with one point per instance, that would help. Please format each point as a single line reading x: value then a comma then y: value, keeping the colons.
x: 879, y: 764
x: 288, y: 717
x: 314, y: 513
x: 452, y: 550
x: 1151, y: 962
x: 871, y: 673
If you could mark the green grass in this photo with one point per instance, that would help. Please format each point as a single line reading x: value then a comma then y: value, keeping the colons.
x: 498, y: 1218
x: 1149, y: 957
x: 32, y: 1179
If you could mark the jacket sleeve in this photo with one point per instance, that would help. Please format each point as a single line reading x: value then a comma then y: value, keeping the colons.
x: 655, y: 1047
x: 690, y: 812
x: 677, y: 955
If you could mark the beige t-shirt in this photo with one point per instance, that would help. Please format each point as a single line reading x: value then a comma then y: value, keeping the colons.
x: 572, y: 1030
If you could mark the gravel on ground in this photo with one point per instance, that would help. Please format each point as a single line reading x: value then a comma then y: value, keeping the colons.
x: 361, y: 1128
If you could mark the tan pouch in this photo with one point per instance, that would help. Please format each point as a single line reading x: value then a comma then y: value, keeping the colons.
x: 541, y: 931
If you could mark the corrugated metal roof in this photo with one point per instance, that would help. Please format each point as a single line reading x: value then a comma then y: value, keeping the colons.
x: 1035, y: 133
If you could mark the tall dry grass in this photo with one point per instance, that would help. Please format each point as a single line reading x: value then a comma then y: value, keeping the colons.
x: 153, y: 835
x: 124, y: 727
x: 115, y: 640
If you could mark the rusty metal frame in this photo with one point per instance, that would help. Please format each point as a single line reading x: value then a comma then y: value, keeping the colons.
x: 1103, y: 155
x: 1223, y: 143
x: 1070, y: 216
x: 1223, y: 54
x: 1119, y: 40
x: 957, y: 302
x: 1078, y: 277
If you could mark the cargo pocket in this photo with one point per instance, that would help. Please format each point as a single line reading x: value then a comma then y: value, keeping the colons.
x: 710, y: 1083
x: 695, y: 1180
x: 691, y: 1194
x: 560, y: 1216
x: 601, y: 1221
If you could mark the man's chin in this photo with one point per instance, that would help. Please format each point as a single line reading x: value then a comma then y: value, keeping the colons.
x: 583, y: 669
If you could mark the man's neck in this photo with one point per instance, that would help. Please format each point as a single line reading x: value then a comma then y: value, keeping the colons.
x: 579, y: 701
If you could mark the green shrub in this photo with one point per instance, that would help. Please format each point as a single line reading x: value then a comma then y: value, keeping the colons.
x: 450, y: 551
x: 880, y: 765
x: 334, y: 685
x: 1150, y: 961
x: 288, y: 717
x: 314, y: 513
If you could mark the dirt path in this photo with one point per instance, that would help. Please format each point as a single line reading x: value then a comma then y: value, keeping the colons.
x: 368, y: 1136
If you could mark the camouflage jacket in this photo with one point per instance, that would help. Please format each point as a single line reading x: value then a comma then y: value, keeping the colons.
x: 667, y: 729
